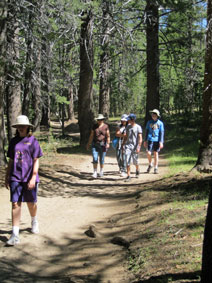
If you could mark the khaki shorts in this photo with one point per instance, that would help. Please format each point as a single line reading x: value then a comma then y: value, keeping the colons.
x: 131, y: 155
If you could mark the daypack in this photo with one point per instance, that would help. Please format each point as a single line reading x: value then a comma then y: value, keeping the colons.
x: 115, y: 142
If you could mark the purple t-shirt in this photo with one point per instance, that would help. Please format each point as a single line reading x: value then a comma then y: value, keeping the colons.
x: 23, y: 151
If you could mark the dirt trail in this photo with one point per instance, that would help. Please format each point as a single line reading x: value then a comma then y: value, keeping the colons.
x: 69, y: 202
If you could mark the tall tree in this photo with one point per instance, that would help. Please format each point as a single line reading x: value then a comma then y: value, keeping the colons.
x: 104, y: 87
x: 206, y: 275
x: 152, y: 29
x: 3, y: 16
x: 71, y: 103
x: 205, y: 158
x: 37, y: 91
x: 204, y: 162
x: 12, y: 70
x: 85, y: 113
x: 36, y: 82
x: 45, y: 77
x: 28, y: 71
x: 182, y: 43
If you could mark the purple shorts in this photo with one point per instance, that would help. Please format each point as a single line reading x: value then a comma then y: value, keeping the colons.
x: 20, y: 193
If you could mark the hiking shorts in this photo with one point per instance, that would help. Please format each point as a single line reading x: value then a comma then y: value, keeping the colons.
x: 131, y: 155
x: 19, y: 192
x: 153, y: 146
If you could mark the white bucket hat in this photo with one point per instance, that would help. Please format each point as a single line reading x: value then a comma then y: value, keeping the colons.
x: 156, y: 111
x: 100, y: 117
x: 124, y: 117
x: 22, y: 120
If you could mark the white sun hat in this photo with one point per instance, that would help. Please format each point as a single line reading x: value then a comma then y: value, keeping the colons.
x: 124, y: 117
x: 100, y: 117
x: 22, y: 120
x: 155, y: 111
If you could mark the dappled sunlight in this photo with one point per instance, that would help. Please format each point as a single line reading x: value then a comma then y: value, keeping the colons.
x: 153, y: 214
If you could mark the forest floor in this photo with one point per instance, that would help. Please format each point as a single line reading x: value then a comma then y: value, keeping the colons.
x: 106, y: 230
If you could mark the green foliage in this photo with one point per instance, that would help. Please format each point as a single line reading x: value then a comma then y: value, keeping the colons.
x: 182, y: 141
x: 181, y: 75
x: 57, y: 26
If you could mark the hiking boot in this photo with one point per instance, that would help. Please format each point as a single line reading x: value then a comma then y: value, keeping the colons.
x: 149, y: 168
x: 137, y: 173
x: 156, y: 171
x: 128, y: 179
x: 94, y: 175
x: 13, y: 240
x: 35, y: 227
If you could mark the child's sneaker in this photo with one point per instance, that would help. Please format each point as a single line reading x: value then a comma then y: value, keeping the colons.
x: 128, y: 179
x: 156, y: 171
x: 13, y: 240
x: 35, y: 227
x: 101, y: 174
x: 149, y: 168
x: 124, y: 174
x: 94, y: 175
x: 137, y: 173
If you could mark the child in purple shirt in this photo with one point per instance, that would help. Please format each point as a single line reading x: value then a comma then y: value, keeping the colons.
x: 22, y: 175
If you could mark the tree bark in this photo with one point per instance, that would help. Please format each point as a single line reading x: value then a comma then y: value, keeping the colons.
x: 37, y: 91
x: 71, y: 104
x: 85, y: 114
x: 45, y: 76
x: 204, y: 162
x: 13, y: 88
x: 206, y: 275
x: 104, y: 89
x: 152, y: 29
x: 3, y: 13
x: 28, y: 63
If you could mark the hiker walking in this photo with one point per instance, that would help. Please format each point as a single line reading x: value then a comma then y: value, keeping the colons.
x: 132, y: 144
x: 99, y: 140
x: 22, y: 175
x: 120, y: 154
x: 154, y: 139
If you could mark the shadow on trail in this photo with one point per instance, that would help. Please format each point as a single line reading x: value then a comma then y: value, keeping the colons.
x: 70, y: 260
x: 73, y: 257
x: 190, y: 277
x: 65, y: 181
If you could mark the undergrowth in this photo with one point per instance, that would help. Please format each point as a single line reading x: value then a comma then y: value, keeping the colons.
x: 168, y: 248
x: 168, y: 244
x: 181, y: 142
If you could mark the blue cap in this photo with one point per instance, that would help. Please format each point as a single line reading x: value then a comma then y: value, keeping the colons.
x: 132, y: 117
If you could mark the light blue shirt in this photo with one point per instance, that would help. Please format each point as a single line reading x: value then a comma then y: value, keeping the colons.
x: 155, y: 131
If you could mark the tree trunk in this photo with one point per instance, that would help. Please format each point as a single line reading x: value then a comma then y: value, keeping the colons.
x: 37, y: 91
x: 205, y: 158
x: 13, y: 89
x: 85, y: 114
x: 104, y: 89
x: 45, y: 118
x: 152, y: 28
x: 206, y: 276
x: 3, y: 13
x: 204, y: 162
x: 29, y: 63
x: 71, y: 104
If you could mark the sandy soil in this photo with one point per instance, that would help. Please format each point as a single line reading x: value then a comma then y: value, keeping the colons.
x: 69, y: 202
